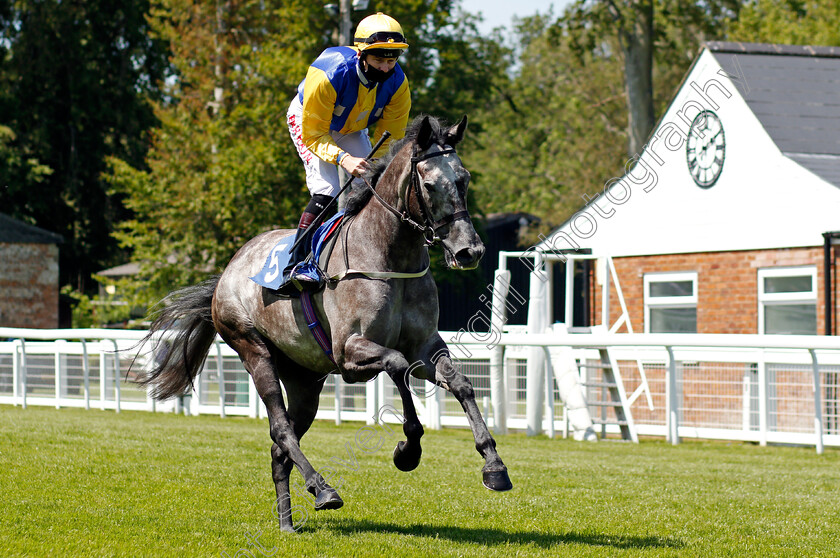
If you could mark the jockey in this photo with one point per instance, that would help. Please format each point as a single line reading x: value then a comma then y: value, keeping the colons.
x: 346, y: 90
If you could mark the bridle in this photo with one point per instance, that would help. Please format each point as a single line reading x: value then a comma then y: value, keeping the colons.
x: 428, y: 227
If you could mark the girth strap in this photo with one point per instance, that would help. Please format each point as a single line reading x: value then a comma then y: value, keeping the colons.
x: 314, y: 325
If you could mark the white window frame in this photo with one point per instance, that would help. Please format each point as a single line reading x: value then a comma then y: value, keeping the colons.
x: 785, y: 298
x: 668, y: 301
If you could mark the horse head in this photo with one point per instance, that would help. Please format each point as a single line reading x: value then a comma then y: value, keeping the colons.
x: 439, y: 182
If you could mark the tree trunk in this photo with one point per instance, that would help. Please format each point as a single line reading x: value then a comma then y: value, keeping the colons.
x: 635, y: 35
x: 345, y: 34
x: 637, y: 47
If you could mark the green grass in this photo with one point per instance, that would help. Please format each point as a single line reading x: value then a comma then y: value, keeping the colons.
x: 94, y: 483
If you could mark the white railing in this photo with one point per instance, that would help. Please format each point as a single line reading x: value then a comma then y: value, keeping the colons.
x: 764, y: 389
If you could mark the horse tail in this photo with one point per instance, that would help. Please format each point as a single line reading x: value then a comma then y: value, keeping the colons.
x: 179, y: 358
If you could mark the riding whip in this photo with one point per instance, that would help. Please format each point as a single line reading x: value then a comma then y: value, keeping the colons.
x: 375, y: 148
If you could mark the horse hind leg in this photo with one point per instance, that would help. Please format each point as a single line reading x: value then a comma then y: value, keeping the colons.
x: 281, y: 468
x: 255, y: 354
x: 303, y: 405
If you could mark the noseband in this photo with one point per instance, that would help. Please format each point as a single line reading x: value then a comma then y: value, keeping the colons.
x: 429, y: 227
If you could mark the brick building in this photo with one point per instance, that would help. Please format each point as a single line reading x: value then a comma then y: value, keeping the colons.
x: 727, y: 220
x: 28, y: 275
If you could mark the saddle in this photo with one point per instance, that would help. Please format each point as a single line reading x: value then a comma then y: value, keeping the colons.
x: 323, y: 241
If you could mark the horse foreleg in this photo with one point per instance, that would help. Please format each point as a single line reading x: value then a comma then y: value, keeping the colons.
x: 408, y: 452
x: 362, y: 358
x: 494, y: 472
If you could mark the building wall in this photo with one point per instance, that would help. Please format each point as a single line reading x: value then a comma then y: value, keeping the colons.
x: 29, y: 285
x: 727, y: 285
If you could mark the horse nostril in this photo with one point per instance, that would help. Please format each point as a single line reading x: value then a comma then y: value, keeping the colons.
x: 469, y: 256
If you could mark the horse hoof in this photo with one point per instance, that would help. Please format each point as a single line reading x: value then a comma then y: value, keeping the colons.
x: 328, y: 500
x: 497, y: 480
x: 406, y: 460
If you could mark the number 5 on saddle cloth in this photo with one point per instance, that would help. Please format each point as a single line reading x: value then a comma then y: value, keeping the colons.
x: 271, y: 274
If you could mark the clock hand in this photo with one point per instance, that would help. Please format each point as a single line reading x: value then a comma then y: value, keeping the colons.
x: 708, y: 144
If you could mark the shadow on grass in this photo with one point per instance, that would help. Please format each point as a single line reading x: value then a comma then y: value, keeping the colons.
x: 490, y: 537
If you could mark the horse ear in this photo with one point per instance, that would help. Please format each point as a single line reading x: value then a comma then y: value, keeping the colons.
x: 455, y: 134
x: 424, y: 134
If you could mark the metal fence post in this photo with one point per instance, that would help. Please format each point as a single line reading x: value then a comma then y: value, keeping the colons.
x: 86, y: 374
x: 198, y: 390
x: 818, y: 429
x: 371, y: 406
x: 535, y: 374
x: 117, y: 393
x: 221, y: 371
x: 103, y: 385
x: 20, y: 372
x: 498, y: 318
x: 762, y: 399
x: 337, y: 395
x: 549, y: 392
x: 673, y: 420
x: 746, y: 404
x: 57, y: 376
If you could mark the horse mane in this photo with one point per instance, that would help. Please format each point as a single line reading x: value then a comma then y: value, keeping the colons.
x: 359, y: 197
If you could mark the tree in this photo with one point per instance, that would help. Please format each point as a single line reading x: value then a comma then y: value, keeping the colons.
x: 19, y: 168
x: 73, y: 87
x: 788, y: 22
x: 554, y: 131
x: 222, y: 167
x: 641, y: 30
x: 592, y: 82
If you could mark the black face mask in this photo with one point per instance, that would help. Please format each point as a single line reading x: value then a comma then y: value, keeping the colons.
x: 375, y: 75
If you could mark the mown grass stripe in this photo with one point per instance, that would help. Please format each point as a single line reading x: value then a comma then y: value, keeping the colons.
x: 94, y: 483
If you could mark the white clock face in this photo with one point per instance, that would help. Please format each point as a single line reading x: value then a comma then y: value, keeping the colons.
x: 705, y: 149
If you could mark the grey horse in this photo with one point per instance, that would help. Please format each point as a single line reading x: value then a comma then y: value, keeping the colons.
x: 376, y: 322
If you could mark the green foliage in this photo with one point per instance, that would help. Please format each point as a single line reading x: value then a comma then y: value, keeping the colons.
x: 19, y: 169
x: 93, y: 483
x: 219, y: 171
x: 796, y: 22
x: 74, y: 81
x: 554, y: 132
x: 105, y: 310
x: 558, y: 129
x: 167, y: 117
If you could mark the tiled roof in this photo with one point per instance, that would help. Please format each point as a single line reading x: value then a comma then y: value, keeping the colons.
x: 794, y: 91
x: 13, y: 231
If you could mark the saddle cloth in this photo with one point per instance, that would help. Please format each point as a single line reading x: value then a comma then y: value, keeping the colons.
x: 271, y: 274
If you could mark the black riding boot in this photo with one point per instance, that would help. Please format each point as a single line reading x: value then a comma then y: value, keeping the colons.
x: 309, y: 223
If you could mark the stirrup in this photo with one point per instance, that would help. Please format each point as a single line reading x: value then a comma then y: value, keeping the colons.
x: 303, y: 281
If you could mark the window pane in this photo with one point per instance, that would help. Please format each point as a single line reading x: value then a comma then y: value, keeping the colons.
x: 673, y: 320
x: 799, y: 284
x: 671, y: 288
x: 796, y: 319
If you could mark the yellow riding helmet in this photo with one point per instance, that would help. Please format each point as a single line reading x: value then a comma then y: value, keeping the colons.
x: 382, y: 33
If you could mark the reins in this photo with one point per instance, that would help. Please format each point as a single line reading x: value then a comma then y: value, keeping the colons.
x: 429, y: 227
x: 370, y: 274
